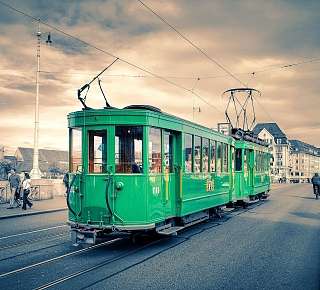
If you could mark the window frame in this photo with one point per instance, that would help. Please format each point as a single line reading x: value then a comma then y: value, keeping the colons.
x: 219, y: 155
x: 184, y: 153
x: 71, y: 150
x: 161, y: 150
x: 194, y: 154
x: 142, y: 169
x: 212, y: 142
x: 225, y: 158
x: 203, y: 155
x: 104, y: 156
x: 166, y: 132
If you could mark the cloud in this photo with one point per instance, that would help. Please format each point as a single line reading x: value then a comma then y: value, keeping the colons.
x: 245, y: 36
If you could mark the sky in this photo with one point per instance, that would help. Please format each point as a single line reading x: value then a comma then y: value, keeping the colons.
x: 244, y: 36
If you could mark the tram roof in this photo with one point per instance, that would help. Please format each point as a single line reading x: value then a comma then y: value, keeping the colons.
x: 141, y: 116
x: 128, y: 116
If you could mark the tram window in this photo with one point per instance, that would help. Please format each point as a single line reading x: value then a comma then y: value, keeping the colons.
x: 154, y: 150
x: 259, y: 167
x: 232, y: 158
x: 257, y: 161
x: 197, y: 154
x: 188, y: 152
x: 219, y: 157
x: 205, y: 155
x: 238, y: 160
x: 75, y: 151
x: 168, y: 151
x: 212, y: 156
x: 97, y: 151
x: 128, y: 149
x: 245, y: 160
x: 263, y: 158
x: 225, y: 158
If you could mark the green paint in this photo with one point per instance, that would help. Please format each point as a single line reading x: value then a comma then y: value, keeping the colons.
x: 147, y: 198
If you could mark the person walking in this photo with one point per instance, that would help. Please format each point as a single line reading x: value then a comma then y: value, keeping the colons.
x: 26, y: 185
x: 316, y: 184
x: 14, y: 182
x: 66, y: 182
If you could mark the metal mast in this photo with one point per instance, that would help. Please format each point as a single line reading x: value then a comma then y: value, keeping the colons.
x: 35, y: 172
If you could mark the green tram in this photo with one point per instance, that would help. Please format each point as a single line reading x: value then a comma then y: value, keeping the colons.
x: 138, y: 169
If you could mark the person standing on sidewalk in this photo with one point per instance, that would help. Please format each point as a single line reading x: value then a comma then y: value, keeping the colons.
x: 14, y: 182
x: 26, y: 185
x: 316, y: 184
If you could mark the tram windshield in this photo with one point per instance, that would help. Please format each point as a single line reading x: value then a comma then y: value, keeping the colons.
x: 97, y: 151
x: 75, y: 150
x: 128, y: 149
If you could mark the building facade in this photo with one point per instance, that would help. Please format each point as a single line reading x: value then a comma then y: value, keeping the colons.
x: 305, y: 160
x: 279, y: 147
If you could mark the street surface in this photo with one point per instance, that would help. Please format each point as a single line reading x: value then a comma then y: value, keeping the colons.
x: 273, y: 244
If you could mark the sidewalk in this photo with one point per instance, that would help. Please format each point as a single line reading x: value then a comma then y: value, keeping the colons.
x: 58, y: 203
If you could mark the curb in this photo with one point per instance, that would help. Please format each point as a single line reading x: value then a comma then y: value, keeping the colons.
x: 33, y: 213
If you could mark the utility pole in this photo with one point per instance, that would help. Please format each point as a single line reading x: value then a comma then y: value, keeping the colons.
x: 35, y: 172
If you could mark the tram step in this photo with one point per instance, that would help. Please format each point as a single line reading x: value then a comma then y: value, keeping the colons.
x: 228, y: 209
x: 252, y: 201
x: 170, y: 231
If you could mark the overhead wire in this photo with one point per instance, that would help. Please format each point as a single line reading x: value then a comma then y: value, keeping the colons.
x: 204, y: 53
x: 250, y: 73
x: 216, y: 62
x: 228, y: 73
x: 197, y: 47
x: 109, y: 54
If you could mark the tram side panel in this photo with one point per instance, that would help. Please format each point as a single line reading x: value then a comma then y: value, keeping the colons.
x: 128, y: 199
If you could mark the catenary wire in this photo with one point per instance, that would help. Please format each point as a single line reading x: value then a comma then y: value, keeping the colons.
x: 210, y: 58
x: 268, y: 68
x: 254, y: 72
x: 204, y: 53
x: 110, y: 54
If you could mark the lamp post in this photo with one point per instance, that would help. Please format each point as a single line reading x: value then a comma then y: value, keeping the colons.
x: 35, y: 172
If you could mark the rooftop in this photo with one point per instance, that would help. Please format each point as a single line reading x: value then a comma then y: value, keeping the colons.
x: 273, y: 129
x: 299, y: 146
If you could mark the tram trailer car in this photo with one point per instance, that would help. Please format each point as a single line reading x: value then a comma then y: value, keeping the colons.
x: 139, y: 169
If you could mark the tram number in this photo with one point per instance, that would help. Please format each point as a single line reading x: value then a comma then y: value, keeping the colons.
x: 209, y: 186
x: 156, y: 190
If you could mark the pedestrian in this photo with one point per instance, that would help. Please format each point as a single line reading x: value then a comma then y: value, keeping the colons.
x: 316, y: 184
x: 26, y: 185
x: 14, y: 182
x: 66, y: 181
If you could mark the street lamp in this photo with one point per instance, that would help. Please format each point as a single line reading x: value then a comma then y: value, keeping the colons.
x: 35, y: 172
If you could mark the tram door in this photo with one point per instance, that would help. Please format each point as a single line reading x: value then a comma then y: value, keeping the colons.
x: 250, y: 161
x: 232, y: 174
x: 249, y: 165
x: 170, y: 172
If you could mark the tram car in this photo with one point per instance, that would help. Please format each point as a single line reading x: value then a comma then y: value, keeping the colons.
x: 140, y: 169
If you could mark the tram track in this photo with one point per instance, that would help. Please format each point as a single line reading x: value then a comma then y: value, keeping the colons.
x: 31, y: 241
x: 232, y: 213
x: 16, y: 271
x: 104, y: 263
x: 32, y: 232
x: 33, y: 251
